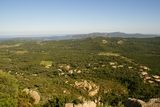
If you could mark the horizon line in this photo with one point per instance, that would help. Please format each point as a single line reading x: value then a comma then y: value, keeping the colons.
x: 65, y: 34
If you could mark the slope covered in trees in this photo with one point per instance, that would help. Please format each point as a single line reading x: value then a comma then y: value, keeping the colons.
x: 107, y: 70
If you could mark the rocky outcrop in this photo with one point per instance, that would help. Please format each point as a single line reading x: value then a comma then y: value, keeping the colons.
x: 67, y: 69
x: 104, y: 41
x: 46, y: 64
x: 143, y: 71
x: 69, y: 105
x: 120, y: 42
x: 88, y: 86
x: 132, y: 102
x: 33, y: 94
x: 154, y: 102
x: 84, y: 104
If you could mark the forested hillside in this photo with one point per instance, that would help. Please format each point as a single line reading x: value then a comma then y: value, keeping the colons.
x: 105, y: 70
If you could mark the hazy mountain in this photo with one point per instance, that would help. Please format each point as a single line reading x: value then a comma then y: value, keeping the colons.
x: 97, y: 34
x: 115, y: 34
x: 82, y: 36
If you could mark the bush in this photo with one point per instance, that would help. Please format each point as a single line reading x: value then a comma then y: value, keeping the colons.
x: 55, y: 102
x: 8, y: 90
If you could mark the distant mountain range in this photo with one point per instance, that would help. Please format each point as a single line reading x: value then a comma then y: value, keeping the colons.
x: 112, y: 34
x: 82, y: 36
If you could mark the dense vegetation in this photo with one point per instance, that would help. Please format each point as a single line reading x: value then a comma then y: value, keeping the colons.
x: 113, y: 64
x: 8, y: 90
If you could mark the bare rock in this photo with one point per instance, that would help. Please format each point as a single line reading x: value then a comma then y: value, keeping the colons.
x: 84, y: 104
x: 120, y: 42
x: 33, y: 94
x: 104, y: 41
x: 89, y: 86
x: 69, y: 105
x: 132, y: 102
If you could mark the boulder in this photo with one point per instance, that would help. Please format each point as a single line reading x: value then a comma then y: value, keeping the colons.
x: 84, y: 104
x: 69, y: 105
x: 104, y: 41
x: 120, y: 42
x: 154, y: 102
x: 132, y: 102
x: 89, y: 86
x: 33, y: 94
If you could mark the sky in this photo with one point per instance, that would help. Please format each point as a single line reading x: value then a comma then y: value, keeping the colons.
x: 43, y: 17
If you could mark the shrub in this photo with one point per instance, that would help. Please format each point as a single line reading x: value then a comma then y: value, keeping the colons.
x: 8, y: 90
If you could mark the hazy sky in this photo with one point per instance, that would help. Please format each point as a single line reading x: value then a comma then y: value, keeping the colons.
x: 78, y: 16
